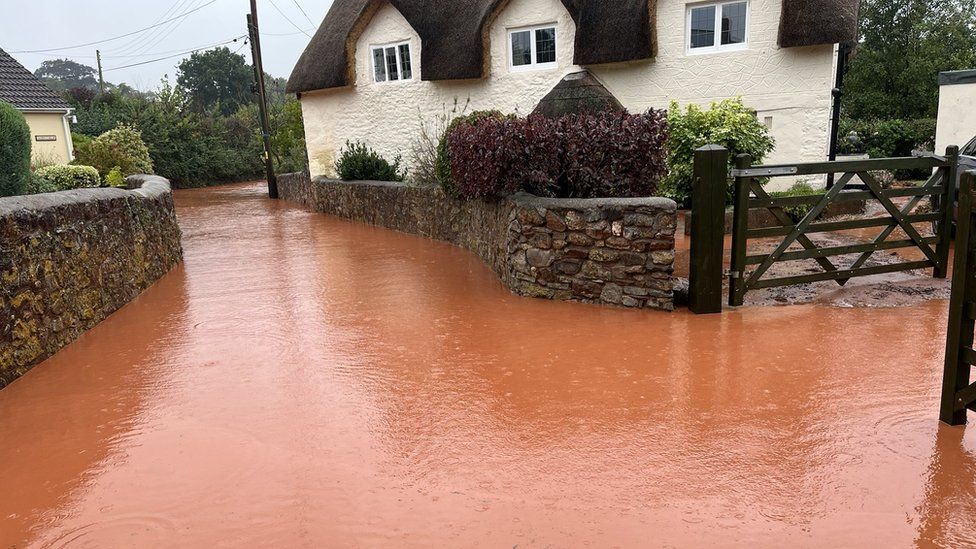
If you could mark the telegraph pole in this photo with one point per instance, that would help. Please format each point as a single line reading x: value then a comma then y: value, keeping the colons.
x: 255, y: 35
x: 101, y: 79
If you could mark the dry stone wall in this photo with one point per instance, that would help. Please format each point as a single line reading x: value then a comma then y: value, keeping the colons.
x: 607, y: 251
x: 70, y: 259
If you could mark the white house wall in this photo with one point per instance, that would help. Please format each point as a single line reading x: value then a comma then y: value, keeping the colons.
x: 790, y: 88
x: 957, y: 118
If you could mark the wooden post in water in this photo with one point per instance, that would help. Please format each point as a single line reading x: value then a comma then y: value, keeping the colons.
x: 959, y: 335
x: 708, y: 229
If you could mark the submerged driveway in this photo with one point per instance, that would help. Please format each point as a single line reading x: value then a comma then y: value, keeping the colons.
x: 303, y: 381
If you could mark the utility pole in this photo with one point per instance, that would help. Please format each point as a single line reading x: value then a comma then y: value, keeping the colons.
x: 255, y: 35
x: 101, y: 79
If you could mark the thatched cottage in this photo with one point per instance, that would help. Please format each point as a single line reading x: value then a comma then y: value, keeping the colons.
x: 376, y: 70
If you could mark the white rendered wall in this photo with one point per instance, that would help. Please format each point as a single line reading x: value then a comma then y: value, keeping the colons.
x: 957, y: 117
x: 791, y: 87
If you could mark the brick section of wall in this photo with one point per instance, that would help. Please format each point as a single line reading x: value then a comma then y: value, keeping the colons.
x: 608, y: 251
x: 70, y: 259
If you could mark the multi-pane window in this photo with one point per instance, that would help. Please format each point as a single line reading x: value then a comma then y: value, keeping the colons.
x: 533, y: 48
x: 717, y: 27
x: 392, y: 63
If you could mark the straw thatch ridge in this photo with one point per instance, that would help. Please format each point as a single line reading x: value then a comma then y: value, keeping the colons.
x: 818, y: 22
x: 577, y: 93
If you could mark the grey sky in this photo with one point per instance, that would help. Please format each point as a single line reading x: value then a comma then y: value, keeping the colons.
x: 46, y: 24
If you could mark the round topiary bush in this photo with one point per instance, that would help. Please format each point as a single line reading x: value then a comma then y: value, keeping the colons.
x: 15, y: 151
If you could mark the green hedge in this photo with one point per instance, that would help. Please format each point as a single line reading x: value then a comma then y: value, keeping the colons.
x: 887, y: 138
x: 64, y: 178
x: 15, y: 151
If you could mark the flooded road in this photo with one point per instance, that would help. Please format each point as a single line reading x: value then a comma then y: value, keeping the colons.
x: 303, y: 381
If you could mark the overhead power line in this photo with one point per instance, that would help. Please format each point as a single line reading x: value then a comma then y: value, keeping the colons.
x: 275, y: 6
x: 120, y: 36
x: 188, y: 52
x: 301, y: 9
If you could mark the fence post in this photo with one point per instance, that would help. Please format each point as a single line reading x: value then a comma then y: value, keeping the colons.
x: 740, y: 226
x: 959, y: 334
x: 948, y: 200
x: 709, y: 189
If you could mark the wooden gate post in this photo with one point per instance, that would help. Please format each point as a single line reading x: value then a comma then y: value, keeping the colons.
x: 710, y: 185
x: 947, y: 202
x: 959, y: 335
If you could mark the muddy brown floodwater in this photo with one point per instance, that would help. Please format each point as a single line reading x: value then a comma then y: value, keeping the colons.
x: 303, y: 381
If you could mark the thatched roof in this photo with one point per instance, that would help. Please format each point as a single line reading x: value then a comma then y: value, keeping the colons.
x: 817, y: 22
x: 613, y: 31
x: 455, y: 35
x: 577, y: 93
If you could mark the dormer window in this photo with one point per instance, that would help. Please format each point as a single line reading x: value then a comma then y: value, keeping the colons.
x: 532, y: 48
x: 391, y: 63
x: 717, y: 27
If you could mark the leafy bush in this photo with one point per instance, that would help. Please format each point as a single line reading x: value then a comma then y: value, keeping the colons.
x: 579, y: 155
x: 38, y: 185
x: 115, y: 178
x: 442, y: 161
x: 886, y: 138
x: 15, y: 150
x: 357, y: 162
x: 122, y: 147
x: 798, y: 189
x: 70, y: 177
x: 728, y: 123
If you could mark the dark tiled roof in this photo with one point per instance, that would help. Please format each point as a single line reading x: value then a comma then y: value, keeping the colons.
x: 23, y: 90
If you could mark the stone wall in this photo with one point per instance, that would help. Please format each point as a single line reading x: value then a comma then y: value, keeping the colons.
x: 608, y: 251
x: 70, y: 259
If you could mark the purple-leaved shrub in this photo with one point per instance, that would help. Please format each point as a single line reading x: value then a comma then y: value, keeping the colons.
x: 612, y: 154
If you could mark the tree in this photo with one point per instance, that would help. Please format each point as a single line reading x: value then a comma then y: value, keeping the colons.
x: 904, y: 45
x: 65, y: 74
x: 216, y: 79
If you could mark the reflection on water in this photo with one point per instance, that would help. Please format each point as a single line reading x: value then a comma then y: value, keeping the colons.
x: 305, y: 381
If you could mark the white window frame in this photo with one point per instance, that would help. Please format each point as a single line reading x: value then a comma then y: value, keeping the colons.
x: 396, y: 46
x: 717, y: 46
x: 534, y: 65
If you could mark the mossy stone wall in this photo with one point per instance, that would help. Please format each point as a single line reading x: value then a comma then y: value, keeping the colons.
x: 70, y: 259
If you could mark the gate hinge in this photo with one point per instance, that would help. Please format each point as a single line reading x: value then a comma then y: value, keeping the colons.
x: 772, y: 171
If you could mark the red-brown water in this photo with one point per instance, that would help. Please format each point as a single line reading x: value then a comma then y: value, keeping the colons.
x: 303, y: 381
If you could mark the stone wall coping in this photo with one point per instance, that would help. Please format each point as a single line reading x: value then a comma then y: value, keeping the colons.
x: 146, y: 186
x: 530, y: 200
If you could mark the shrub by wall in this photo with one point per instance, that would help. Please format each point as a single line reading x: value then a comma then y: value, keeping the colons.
x: 121, y: 147
x: 612, y: 154
x: 65, y: 178
x: 442, y: 164
x: 15, y: 149
x: 728, y: 123
x: 358, y: 162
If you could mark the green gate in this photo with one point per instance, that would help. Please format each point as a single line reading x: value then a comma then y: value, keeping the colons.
x: 958, y: 395
x: 748, y: 272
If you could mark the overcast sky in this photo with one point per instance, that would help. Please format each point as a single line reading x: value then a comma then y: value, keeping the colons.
x: 30, y: 25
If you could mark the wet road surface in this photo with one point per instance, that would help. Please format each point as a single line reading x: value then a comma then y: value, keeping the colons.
x: 303, y: 381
